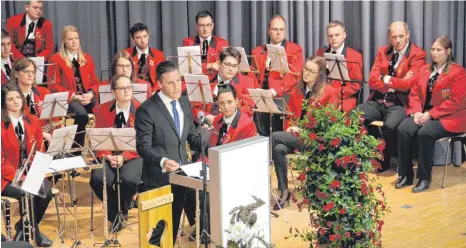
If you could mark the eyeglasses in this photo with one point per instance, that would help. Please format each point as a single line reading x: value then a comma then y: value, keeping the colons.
x: 30, y: 72
x: 127, y: 67
x: 127, y: 88
x: 307, y: 70
x: 204, y: 26
x: 230, y: 65
x: 278, y: 29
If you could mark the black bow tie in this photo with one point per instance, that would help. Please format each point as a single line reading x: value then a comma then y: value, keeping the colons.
x: 334, y: 52
x: 120, y: 120
x: 19, y: 131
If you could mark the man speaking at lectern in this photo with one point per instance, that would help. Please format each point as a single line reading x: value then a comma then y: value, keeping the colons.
x: 163, y: 126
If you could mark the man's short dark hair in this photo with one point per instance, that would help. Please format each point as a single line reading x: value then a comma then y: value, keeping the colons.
x: 204, y: 13
x: 138, y: 27
x: 5, y: 34
x: 230, y: 51
x: 165, y: 67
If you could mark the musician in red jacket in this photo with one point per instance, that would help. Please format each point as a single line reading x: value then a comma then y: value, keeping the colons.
x: 211, y: 46
x: 122, y: 64
x: 312, y: 87
x: 436, y: 109
x: 20, y: 132
x: 145, y: 58
x: 228, y: 75
x: 389, y: 81
x: 7, y: 58
x: 31, y: 33
x: 336, y: 37
x: 278, y: 83
x: 232, y: 124
x: 118, y: 113
x: 74, y: 73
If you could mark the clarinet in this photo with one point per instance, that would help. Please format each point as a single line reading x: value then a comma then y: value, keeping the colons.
x: 26, y: 222
x: 7, y: 219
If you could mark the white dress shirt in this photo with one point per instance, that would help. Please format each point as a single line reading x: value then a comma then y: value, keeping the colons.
x: 146, y: 52
x: 439, y: 70
x: 219, y: 79
x: 400, y: 55
x: 28, y: 21
x: 125, y: 111
x: 230, y: 119
x: 72, y: 56
x: 338, y: 50
x: 202, y: 40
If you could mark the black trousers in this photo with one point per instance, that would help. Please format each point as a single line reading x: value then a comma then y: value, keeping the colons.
x: 130, y: 177
x: 392, y: 117
x: 39, y: 204
x: 283, y: 143
x: 427, y: 134
x: 81, y: 119
x: 262, y: 121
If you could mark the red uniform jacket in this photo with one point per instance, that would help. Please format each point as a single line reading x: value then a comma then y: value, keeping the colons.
x: 214, y: 49
x: 242, y: 84
x: 242, y: 127
x: 413, y: 59
x: 448, y: 97
x: 39, y: 96
x: 16, y: 27
x: 5, y: 79
x: 64, y: 75
x: 105, y: 118
x: 354, y: 64
x: 11, y: 146
x: 296, y: 102
x: 281, y: 84
x: 155, y: 57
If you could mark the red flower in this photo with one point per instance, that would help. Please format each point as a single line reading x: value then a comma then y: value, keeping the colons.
x: 339, y: 227
x: 295, y: 151
x: 312, y: 136
x: 348, y: 122
x: 364, y: 189
x: 354, y: 158
x: 347, y: 159
x: 312, y: 122
x: 332, y: 237
x: 338, y: 162
x: 381, y: 146
x: 343, y: 211
x: 375, y: 163
x: 338, y: 236
x: 335, y: 142
x: 305, y: 201
x: 362, y: 176
x: 348, y: 234
x: 363, y: 131
x: 321, y: 195
x: 323, y: 231
x: 333, y: 119
x: 329, y: 206
x: 358, y: 234
x: 321, y: 147
x: 329, y: 224
x: 302, y: 177
x: 335, y: 184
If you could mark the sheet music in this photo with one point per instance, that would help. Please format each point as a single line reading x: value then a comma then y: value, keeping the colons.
x: 40, y: 61
x: 100, y: 139
x: 36, y: 173
x: 278, y: 60
x: 61, y: 105
x: 105, y: 93
x: 59, y: 142
x: 58, y: 165
x: 243, y: 64
x: 183, y: 60
x: 194, y: 170
x: 194, y: 92
x: 264, y: 101
x: 140, y: 92
x: 333, y: 67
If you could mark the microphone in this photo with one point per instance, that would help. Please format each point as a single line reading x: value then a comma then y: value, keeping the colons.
x: 203, y: 120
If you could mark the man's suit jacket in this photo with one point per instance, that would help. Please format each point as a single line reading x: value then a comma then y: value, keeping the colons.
x: 16, y: 27
x: 156, y: 138
x: 214, y: 48
x: 282, y: 84
x: 412, y: 60
x: 155, y: 57
x: 355, y: 73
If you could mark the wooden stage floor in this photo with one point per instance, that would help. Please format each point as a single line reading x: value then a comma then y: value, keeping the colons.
x: 436, y: 218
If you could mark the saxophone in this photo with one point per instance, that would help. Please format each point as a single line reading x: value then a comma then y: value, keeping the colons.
x: 7, y: 216
x: 52, y: 125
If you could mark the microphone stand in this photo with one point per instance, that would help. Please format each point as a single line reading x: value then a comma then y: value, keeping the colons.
x: 204, y: 233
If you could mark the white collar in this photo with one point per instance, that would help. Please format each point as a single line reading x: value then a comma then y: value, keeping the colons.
x: 338, y: 50
x: 146, y: 51
x: 165, y: 99
x: 307, y: 90
x: 28, y: 21
x: 403, y: 51
x: 15, y: 121
x: 229, y: 120
x: 6, y: 61
x: 118, y: 109
x: 202, y: 39
x: 219, y: 79
x: 440, y: 70
x: 72, y: 56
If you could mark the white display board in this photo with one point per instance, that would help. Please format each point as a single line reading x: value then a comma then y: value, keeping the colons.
x: 239, y: 170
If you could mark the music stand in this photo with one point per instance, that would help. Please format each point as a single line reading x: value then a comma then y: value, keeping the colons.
x: 116, y: 140
x: 265, y: 103
x: 55, y: 105
x: 189, y: 60
x: 198, y: 88
x: 41, y: 72
x: 338, y: 70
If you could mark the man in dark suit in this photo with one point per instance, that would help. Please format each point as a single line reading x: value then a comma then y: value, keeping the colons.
x: 163, y: 126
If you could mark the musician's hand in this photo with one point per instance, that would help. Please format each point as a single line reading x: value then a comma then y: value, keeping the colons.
x: 110, y: 158
x: 87, y: 98
x: 47, y: 136
x: 293, y: 129
x: 120, y: 160
x: 214, y: 66
x: 425, y: 117
x: 210, y: 118
x: 391, y: 90
x: 416, y: 117
x: 408, y: 75
x: 170, y: 165
x: 78, y: 98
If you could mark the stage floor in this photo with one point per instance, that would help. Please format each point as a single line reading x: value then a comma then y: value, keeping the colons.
x: 436, y: 218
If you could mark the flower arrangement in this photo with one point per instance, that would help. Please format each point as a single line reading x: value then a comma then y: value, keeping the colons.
x: 345, y: 204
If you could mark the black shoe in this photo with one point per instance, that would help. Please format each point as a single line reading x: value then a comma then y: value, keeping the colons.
x: 283, y: 201
x: 403, y: 182
x: 422, y: 185
x: 42, y: 240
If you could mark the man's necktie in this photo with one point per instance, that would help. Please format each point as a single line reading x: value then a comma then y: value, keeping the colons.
x: 7, y: 69
x: 176, y: 118
x: 120, y: 120
x: 30, y: 29
x: 205, y: 45
x: 19, y: 131
x: 304, y: 111
x: 142, y: 65
x: 391, y: 66
x: 32, y: 110
x: 221, y: 133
